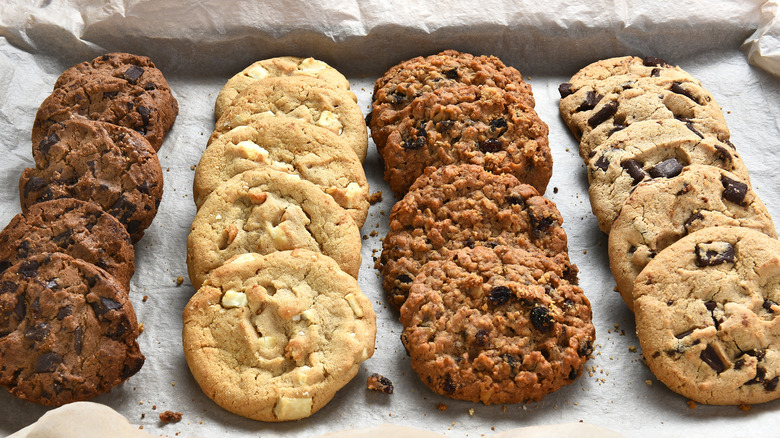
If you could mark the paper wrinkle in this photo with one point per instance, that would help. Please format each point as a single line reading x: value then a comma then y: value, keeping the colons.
x: 763, y: 47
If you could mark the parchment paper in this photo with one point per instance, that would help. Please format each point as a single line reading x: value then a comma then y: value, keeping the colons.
x: 199, y: 45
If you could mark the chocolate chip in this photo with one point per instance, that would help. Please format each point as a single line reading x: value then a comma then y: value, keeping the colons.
x: 760, y: 376
x: 711, y: 358
x: 64, y: 238
x: 103, y: 306
x: 491, y: 145
x: 565, y: 89
x: 499, y: 295
x: 45, y: 145
x: 771, y: 385
x: 133, y: 73
x: 683, y: 334
x: 603, y: 114
x: 404, y: 278
x: 131, y: 368
x: 541, y: 319
x: 678, y: 89
x: 734, y: 190
x: 144, y: 112
x: 481, y: 338
x: 34, y: 185
x: 652, y: 61
x: 23, y: 250
x: 64, y: 312
x: 654, y: 73
x: 149, y: 86
x: 707, y: 255
x: 37, y: 333
x: 768, y: 305
x: 694, y: 217
x: 78, y: 339
x: 47, y: 362
x: 668, y: 168
x: 739, y: 364
x: 28, y: 269
x: 634, y: 169
x: 724, y: 154
x: 4, y: 265
x: 591, y: 100
x: 689, y: 125
x: 602, y: 163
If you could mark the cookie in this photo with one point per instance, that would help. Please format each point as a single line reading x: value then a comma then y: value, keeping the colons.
x: 647, y: 150
x: 706, y: 316
x: 471, y: 124
x: 275, y: 67
x: 109, y: 165
x: 135, y: 69
x: 303, y: 98
x: 497, y: 325
x: 594, y: 108
x: 264, y: 211
x: 109, y: 99
x: 661, y: 211
x: 465, y: 206
x: 406, y: 81
x: 291, y: 146
x: 80, y: 229
x: 67, y: 331
x: 274, y: 337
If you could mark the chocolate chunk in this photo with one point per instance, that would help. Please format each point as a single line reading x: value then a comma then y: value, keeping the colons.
x: 499, y: 295
x: 603, y: 114
x: 724, y: 154
x: 133, y: 73
x: 64, y: 312
x: 694, y: 217
x: 34, y: 184
x: 768, y: 305
x: 541, y: 319
x: 404, y: 278
x: 760, y: 376
x: 678, y: 89
x: 491, y: 145
x: 37, y: 333
x: 451, y: 74
x: 591, y: 100
x: 689, y: 125
x: 683, y: 334
x: 602, y: 163
x: 78, y: 339
x: 708, y: 255
x: 734, y: 190
x: 47, y: 362
x: 634, y: 169
x: 104, y: 306
x: 668, y: 168
x: 652, y: 61
x: 565, y: 89
x: 45, y: 145
x: 711, y: 358
x: 654, y: 73
x: 28, y: 269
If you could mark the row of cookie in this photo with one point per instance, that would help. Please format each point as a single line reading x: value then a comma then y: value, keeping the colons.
x: 274, y: 249
x: 475, y: 258
x: 692, y: 248
x: 68, y: 327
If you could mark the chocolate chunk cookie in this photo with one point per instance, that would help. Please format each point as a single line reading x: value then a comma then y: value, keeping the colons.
x: 661, y: 211
x: 109, y: 165
x: 497, y: 325
x: 274, y: 337
x: 403, y: 83
x: 135, y: 69
x: 465, y: 206
x: 647, y: 150
x: 288, y: 145
x: 80, y: 229
x: 103, y: 97
x: 275, y: 67
x: 707, y: 316
x: 481, y: 125
x: 67, y: 331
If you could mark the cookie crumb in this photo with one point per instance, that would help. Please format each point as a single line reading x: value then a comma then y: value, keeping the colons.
x: 692, y: 404
x: 379, y: 383
x: 192, y: 167
x: 140, y: 328
x: 373, y: 233
x: 179, y: 280
x: 146, y: 297
x: 170, y: 417
x: 375, y: 197
x: 442, y: 407
x: 555, y: 189
x: 471, y: 412
x: 632, y: 348
x: 744, y: 407
x: 649, y: 382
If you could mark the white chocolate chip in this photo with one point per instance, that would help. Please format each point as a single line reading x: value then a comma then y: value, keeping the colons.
x: 311, y: 66
x: 257, y: 72
x: 278, y: 236
x: 252, y: 151
x: 266, y: 114
x: 303, y: 379
x: 353, y: 194
x: 330, y: 120
x: 290, y: 408
x: 268, y: 342
x: 243, y: 258
x: 354, y: 305
x: 234, y: 299
x: 218, y: 217
x: 309, y: 314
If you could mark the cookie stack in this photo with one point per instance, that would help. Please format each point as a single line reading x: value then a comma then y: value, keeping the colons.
x: 67, y: 327
x: 476, y: 259
x: 692, y: 248
x: 274, y: 249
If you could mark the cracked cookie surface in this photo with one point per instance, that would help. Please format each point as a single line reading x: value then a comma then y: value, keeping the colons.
x: 109, y: 165
x: 67, y: 331
x: 707, y: 316
x: 291, y: 146
x: 496, y: 325
x: 264, y: 211
x: 274, y: 337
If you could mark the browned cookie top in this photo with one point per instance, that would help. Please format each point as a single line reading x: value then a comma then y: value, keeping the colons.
x: 80, y: 229
x: 471, y: 124
x: 116, y: 100
x: 465, y: 206
x: 95, y: 161
x: 496, y: 325
x: 401, y: 84
x: 67, y: 331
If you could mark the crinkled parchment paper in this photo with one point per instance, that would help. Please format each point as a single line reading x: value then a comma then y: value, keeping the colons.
x: 200, y: 44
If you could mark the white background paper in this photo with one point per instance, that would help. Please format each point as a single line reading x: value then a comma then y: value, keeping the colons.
x: 199, y: 45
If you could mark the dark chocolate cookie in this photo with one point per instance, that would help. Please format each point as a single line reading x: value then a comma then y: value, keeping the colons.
x: 96, y: 161
x: 406, y: 81
x: 481, y: 125
x: 465, y: 206
x: 497, y: 325
x: 109, y: 99
x: 67, y: 331
x: 80, y: 229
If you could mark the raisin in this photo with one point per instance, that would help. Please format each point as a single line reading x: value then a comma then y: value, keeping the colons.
x: 541, y: 319
x: 499, y: 295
